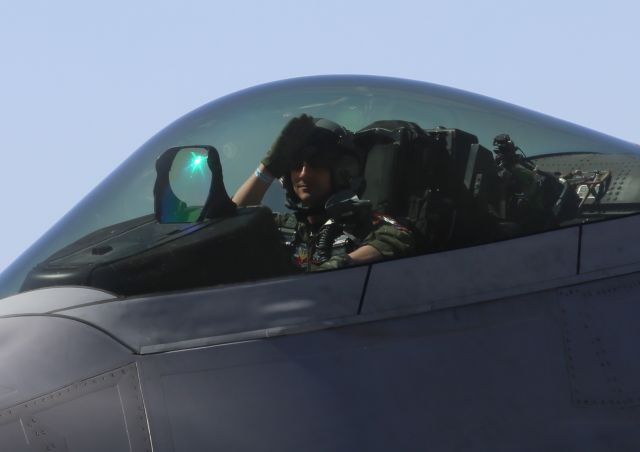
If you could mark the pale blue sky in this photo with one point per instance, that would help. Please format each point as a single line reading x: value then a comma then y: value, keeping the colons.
x: 85, y: 83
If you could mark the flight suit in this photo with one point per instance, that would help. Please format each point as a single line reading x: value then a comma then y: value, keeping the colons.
x: 326, y: 246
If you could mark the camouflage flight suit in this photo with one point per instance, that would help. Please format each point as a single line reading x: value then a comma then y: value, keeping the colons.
x: 325, y: 246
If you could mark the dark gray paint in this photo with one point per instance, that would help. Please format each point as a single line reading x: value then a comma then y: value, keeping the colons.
x: 610, y: 244
x: 491, y: 376
x: 104, y: 413
x: 51, y: 299
x: 40, y: 354
x: 473, y: 274
x: 145, y: 321
x: 600, y: 323
x: 536, y: 371
x: 65, y: 386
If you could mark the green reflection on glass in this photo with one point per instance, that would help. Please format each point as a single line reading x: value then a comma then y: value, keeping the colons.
x: 197, y: 164
x: 190, y: 177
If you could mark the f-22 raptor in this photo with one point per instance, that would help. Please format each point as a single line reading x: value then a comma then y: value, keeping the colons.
x: 159, y: 315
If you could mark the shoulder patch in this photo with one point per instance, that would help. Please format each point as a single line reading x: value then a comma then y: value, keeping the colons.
x: 288, y: 220
x: 380, y: 219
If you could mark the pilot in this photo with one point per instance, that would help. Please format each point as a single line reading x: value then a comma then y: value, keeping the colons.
x: 321, y: 172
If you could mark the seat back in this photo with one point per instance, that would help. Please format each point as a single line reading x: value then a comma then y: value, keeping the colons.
x: 438, y: 181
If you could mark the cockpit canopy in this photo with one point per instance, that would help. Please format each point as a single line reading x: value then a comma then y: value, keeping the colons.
x: 457, y: 157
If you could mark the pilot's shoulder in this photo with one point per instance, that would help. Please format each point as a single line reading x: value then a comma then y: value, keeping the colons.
x: 390, y: 237
x: 380, y: 219
x: 285, y: 220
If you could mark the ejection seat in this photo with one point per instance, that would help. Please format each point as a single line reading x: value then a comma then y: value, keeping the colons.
x: 439, y: 182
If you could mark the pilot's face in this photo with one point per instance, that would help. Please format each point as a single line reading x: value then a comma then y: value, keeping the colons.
x: 312, y: 184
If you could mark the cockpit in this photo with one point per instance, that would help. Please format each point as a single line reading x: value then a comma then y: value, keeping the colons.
x: 456, y: 169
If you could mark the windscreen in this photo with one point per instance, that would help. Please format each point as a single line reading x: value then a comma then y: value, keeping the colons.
x: 243, y: 126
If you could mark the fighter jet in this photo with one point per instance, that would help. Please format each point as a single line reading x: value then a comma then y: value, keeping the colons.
x: 159, y: 315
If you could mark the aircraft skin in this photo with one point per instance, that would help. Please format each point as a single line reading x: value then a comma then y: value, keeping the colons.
x: 526, y: 344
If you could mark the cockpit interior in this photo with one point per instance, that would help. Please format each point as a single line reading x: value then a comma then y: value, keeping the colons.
x: 458, y: 169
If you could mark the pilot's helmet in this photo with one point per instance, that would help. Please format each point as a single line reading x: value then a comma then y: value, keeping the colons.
x: 329, y: 146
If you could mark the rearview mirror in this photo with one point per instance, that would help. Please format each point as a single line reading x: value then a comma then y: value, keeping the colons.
x: 189, y: 186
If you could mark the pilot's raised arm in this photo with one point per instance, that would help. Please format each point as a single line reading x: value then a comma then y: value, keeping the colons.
x: 319, y: 166
x: 277, y: 162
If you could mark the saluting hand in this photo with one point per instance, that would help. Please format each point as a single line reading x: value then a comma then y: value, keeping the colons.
x: 294, y: 135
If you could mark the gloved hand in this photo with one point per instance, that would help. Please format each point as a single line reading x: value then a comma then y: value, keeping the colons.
x: 333, y: 263
x: 279, y: 158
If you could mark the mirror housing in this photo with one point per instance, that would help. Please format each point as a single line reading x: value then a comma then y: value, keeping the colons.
x: 169, y: 208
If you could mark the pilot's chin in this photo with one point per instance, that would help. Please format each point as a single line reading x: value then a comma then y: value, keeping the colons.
x: 307, y: 199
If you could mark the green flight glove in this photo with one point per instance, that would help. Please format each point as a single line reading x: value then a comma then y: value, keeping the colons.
x: 333, y: 263
x: 278, y: 159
